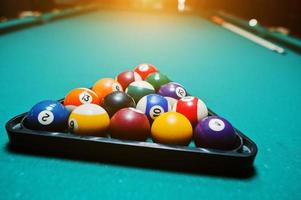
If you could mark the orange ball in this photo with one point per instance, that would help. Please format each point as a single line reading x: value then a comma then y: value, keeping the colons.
x: 79, y: 96
x: 105, y: 86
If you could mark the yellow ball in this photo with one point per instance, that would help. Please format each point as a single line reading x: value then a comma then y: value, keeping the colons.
x: 172, y: 128
x: 89, y: 119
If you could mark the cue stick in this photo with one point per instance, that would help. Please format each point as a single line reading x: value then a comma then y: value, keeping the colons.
x: 258, y: 40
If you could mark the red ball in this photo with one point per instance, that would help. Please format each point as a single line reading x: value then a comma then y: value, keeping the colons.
x: 145, y: 69
x: 130, y: 124
x: 193, y: 108
x: 127, y: 77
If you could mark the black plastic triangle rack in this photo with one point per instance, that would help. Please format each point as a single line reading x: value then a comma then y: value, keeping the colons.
x: 143, y: 154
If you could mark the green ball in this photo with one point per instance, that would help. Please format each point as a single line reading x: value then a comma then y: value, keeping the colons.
x: 157, y: 80
x: 139, y: 89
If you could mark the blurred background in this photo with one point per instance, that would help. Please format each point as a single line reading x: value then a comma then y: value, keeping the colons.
x: 280, y: 16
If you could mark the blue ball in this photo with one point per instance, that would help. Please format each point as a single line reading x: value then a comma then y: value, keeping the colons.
x: 153, y: 105
x: 47, y: 115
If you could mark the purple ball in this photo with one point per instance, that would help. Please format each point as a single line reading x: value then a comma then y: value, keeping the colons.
x: 172, y: 91
x: 215, y: 132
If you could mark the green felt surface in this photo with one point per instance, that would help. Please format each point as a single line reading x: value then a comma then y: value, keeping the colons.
x: 259, y: 91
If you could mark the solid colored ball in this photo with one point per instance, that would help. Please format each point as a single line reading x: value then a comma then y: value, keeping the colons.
x: 89, y: 119
x: 193, y: 108
x: 172, y: 91
x: 116, y: 101
x: 139, y: 89
x: 47, y: 115
x: 145, y: 69
x: 130, y: 124
x: 127, y: 77
x: 105, y: 86
x: 172, y: 128
x: 153, y: 105
x: 79, y: 96
x: 157, y: 80
x: 215, y: 132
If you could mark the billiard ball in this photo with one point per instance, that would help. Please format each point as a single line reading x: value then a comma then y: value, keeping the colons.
x: 105, y: 86
x: 79, y: 96
x: 215, y: 132
x: 116, y: 101
x: 130, y: 124
x: 153, y: 105
x: 172, y: 91
x: 47, y: 115
x: 193, y: 108
x: 157, y: 79
x: 89, y: 119
x: 139, y: 89
x: 145, y: 69
x: 127, y: 77
x: 172, y: 128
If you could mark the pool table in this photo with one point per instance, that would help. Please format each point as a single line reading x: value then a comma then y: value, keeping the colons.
x: 256, y: 89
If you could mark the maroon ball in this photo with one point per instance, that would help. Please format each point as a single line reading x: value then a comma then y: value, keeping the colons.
x: 130, y: 124
x: 215, y: 132
x: 127, y: 77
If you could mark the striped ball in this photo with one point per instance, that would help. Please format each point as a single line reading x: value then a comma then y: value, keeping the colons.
x: 89, y: 119
x: 139, y: 89
x: 153, y: 105
x: 193, y: 108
